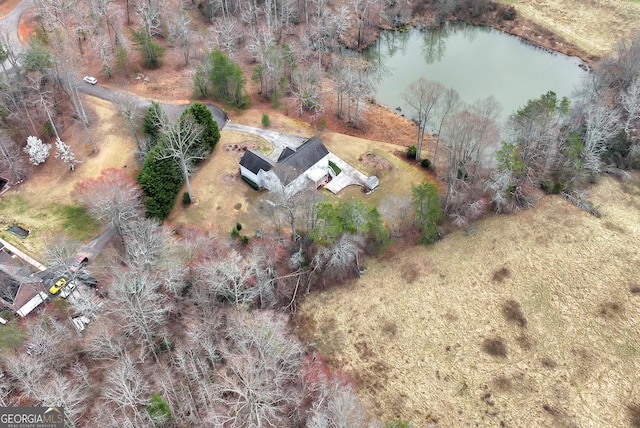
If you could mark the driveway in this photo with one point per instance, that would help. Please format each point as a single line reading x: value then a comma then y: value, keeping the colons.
x: 9, y: 34
x: 9, y: 29
x: 277, y: 139
x: 173, y: 110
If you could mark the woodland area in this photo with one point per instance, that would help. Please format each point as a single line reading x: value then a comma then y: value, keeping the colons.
x: 195, y: 328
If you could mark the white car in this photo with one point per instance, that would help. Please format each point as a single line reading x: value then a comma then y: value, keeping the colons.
x: 90, y: 79
x: 67, y: 289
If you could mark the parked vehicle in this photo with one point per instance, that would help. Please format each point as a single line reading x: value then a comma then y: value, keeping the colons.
x: 79, y: 263
x: 55, y: 288
x: 68, y: 289
x: 91, y: 80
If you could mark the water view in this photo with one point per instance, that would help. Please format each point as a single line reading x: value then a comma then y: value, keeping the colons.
x: 475, y: 61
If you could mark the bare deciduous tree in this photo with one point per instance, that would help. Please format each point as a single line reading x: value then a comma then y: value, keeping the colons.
x: 113, y: 196
x: 342, y: 259
x: 12, y: 164
x: 182, y: 145
x: 127, y: 389
x: 286, y: 204
x: 139, y: 307
x: 129, y: 107
x: 59, y: 251
x: 230, y: 279
x: 257, y: 385
x: 146, y: 243
x: 423, y: 96
x: 602, y: 123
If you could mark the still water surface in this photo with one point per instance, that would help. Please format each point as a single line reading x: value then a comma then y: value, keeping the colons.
x: 475, y: 61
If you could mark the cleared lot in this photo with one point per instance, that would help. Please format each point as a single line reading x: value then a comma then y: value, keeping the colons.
x: 531, y: 320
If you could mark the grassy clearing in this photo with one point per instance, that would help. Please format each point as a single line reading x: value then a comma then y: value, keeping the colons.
x: 12, y: 336
x: 595, y: 26
x: 529, y: 321
x: 44, y: 222
x: 46, y: 204
x: 222, y: 198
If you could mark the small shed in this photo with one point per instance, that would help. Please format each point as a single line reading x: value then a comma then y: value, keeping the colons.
x: 371, y: 183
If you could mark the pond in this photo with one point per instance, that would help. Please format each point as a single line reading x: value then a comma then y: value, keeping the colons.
x: 475, y: 61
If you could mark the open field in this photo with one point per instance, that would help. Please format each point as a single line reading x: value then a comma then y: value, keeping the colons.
x: 531, y: 320
x: 45, y: 202
x: 593, y: 25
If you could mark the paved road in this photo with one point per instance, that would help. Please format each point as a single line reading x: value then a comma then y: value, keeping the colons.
x: 9, y: 28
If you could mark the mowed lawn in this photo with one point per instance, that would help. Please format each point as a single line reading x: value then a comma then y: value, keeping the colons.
x: 526, y: 320
x: 223, y: 198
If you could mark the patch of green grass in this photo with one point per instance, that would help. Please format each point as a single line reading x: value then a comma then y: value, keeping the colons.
x: 11, y: 336
x: 13, y: 205
x: 76, y: 222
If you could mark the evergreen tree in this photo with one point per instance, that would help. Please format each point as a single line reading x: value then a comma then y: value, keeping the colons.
x: 161, y: 181
x: 227, y: 80
x: 203, y: 117
x: 152, y: 53
x: 427, y: 210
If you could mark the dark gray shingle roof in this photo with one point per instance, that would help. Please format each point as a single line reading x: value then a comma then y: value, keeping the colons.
x: 307, y: 155
x: 255, y: 161
x: 288, y: 151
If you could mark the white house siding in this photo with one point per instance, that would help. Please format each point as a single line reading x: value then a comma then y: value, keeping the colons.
x: 256, y: 178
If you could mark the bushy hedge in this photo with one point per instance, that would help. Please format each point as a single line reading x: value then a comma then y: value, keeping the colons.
x: 411, y: 152
x: 161, y: 182
x: 251, y: 183
x: 336, y: 169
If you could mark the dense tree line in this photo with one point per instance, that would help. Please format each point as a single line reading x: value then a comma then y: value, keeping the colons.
x: 175, y: 150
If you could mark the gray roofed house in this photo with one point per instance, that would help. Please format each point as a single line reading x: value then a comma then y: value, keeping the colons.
x: 299, y: 167
x: 308, y: 166
x: 310, y: 153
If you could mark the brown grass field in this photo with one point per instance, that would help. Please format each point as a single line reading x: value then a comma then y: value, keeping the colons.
x: 593, y: 25
x: 530, y: 320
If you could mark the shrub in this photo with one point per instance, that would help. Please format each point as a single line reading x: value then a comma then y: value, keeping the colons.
x: 426, y: 163
x: 158, y: 409
x: 552, y: 187
x: 266, y: 120
x: 336, y: 169
x: 251, y: 183
x: 512, y: 312
x: 495, y: 347
x: 411, y: 152
x: 186, y: 199
x: 235, y: 234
